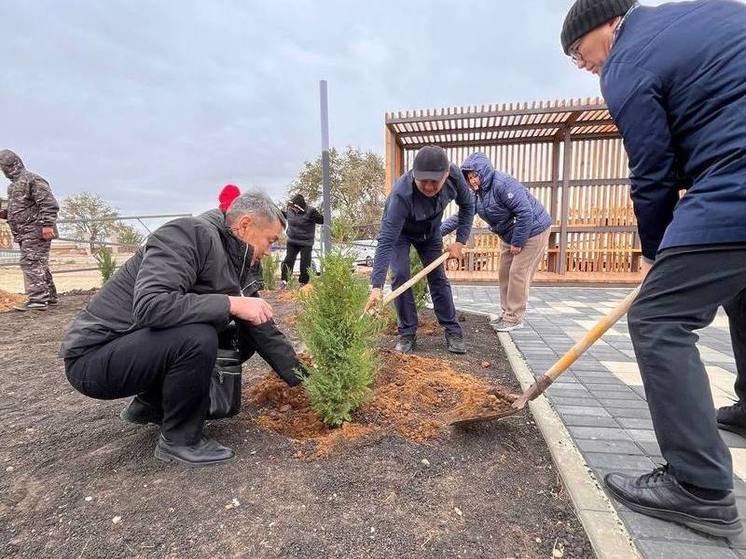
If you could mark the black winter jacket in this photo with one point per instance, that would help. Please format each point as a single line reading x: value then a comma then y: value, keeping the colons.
x: 183, y: 274
x: 302, y: 226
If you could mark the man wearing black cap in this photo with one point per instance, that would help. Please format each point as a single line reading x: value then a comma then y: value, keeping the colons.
x: 412, y: 217
x: 674, y: 79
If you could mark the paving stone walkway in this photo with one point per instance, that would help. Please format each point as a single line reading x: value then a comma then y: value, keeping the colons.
x: 601, y: 399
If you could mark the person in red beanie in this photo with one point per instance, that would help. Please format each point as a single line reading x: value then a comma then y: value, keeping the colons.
x: 229, y: 193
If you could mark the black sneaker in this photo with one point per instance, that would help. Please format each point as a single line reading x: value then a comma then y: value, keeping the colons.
x: 141, y: 413
x: 659, y: 494
x: 733, y: 419
x: 205, y: 453
x: 406, y: 344
x: 30, y: 306
x: 455, y: 344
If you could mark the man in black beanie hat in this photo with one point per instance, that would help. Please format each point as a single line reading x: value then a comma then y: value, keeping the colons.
x: 674, y: 80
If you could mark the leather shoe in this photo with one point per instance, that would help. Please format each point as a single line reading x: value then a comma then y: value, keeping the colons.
x: 141, y: 413
x: 455, y: 344
x: 406, y: 344
x: 733, y: 419
x: 205, y: 453
x: 659, y: 494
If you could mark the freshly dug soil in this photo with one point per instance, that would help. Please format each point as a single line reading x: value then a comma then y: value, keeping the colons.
x: 416, y: 397
x: 76, y: 481
x: 7, y: 300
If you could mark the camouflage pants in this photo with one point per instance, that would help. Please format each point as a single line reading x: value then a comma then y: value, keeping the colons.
x: 35, y: 267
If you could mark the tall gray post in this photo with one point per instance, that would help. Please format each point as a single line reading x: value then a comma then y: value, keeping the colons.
x: 327, y: 229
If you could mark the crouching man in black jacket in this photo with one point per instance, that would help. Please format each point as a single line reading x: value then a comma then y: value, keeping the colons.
x: 152, y: 330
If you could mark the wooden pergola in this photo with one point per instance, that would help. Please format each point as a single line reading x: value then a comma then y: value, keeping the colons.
x: 568, y: 153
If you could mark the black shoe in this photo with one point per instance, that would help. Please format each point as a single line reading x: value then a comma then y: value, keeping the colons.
x: 455, y: 343
x: 659, y: 494
x: 733, y: 419
x: 205, y: 453
x: 30, y: 306
x: 406, y: 344
x: 52, y: 302
x: 141, y: 413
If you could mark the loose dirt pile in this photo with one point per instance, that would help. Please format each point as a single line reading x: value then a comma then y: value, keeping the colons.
x: 414, y: 397
x: 7, y: 300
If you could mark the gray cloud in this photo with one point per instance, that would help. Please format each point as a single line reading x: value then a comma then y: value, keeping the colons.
x: 155, y: 105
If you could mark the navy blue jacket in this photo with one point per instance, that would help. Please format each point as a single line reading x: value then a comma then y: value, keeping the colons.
x: 411, y: 213
x: 508, y: 208
x: 675, y: 83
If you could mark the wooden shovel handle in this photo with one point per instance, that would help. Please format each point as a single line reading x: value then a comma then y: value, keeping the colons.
x: 414, y: 279
x: 592, y: 336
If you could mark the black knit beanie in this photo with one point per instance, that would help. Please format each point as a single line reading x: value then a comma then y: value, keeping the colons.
x: 586, y: 15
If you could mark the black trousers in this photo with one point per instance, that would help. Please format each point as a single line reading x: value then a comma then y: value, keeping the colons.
x: 682, y: 294
x: 170, y: 369
x: 289, y: 263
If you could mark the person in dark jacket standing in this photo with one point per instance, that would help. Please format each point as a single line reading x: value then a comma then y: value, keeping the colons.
x: 522, y: 224
x: 674, y: 79
x: 302, y: 221
x: 31, y: 215
x: 412, y: 217
x: 153, y: 329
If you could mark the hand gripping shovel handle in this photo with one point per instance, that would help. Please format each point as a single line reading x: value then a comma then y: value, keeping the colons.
x: 414, y: 279
x: 545, y: 380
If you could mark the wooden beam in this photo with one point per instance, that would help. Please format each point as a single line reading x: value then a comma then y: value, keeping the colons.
x: 449, y: 114
x: 390, y: 157
x: 566, y: 169
x: 477, y: 144
x: 573, y: 122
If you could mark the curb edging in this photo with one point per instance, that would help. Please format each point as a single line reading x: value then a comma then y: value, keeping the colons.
x: 605, y: 530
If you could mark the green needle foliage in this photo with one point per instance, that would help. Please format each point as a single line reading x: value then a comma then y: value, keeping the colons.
x: 105, y: 262
x: 419, y: 289
x: 270, y: 264
x: 339, y: 341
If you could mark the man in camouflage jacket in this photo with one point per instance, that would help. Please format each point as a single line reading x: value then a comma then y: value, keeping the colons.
x: 31, y: 215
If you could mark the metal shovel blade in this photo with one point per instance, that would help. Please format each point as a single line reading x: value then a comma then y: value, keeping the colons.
x: 485, y: 417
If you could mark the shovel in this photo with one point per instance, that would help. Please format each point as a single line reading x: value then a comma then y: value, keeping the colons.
x: 545, y: 380
x: 414, y: 279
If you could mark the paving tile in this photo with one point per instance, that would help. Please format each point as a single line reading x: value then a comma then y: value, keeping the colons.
x: 648, y: 527
x: 602, y: 433
x: 582, y: 410
x: 643, y: 435
x: 635, y: 422
x: 655, y: 549
x: 611, y: 447
x: 587, y: 402
x: 618, y: 461
x: 589, y: 421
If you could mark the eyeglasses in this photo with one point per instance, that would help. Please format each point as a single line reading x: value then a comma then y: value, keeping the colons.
x: 574, y: 52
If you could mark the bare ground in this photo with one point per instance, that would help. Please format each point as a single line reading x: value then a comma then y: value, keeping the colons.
x: 75, y: 481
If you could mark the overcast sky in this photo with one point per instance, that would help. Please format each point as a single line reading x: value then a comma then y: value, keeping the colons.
x: 155, y: 105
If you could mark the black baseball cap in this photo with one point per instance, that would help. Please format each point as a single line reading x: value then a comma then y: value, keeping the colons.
x: 430, y: 163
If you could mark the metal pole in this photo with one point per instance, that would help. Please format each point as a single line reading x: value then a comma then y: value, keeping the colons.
x: 327, y: 229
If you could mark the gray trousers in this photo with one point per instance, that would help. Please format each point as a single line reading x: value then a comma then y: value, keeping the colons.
x: 682, y: 294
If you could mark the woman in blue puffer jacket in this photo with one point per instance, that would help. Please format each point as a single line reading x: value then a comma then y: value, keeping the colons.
x: 522, y: 224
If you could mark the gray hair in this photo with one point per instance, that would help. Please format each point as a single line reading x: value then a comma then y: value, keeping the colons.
x: 254, y: 203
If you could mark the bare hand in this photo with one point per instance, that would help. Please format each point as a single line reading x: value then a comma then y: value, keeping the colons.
x: 376, y: 295
x: 456, y: 250
x: 253, y: 309
x: 515, y: 250
x: 47, y: 233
